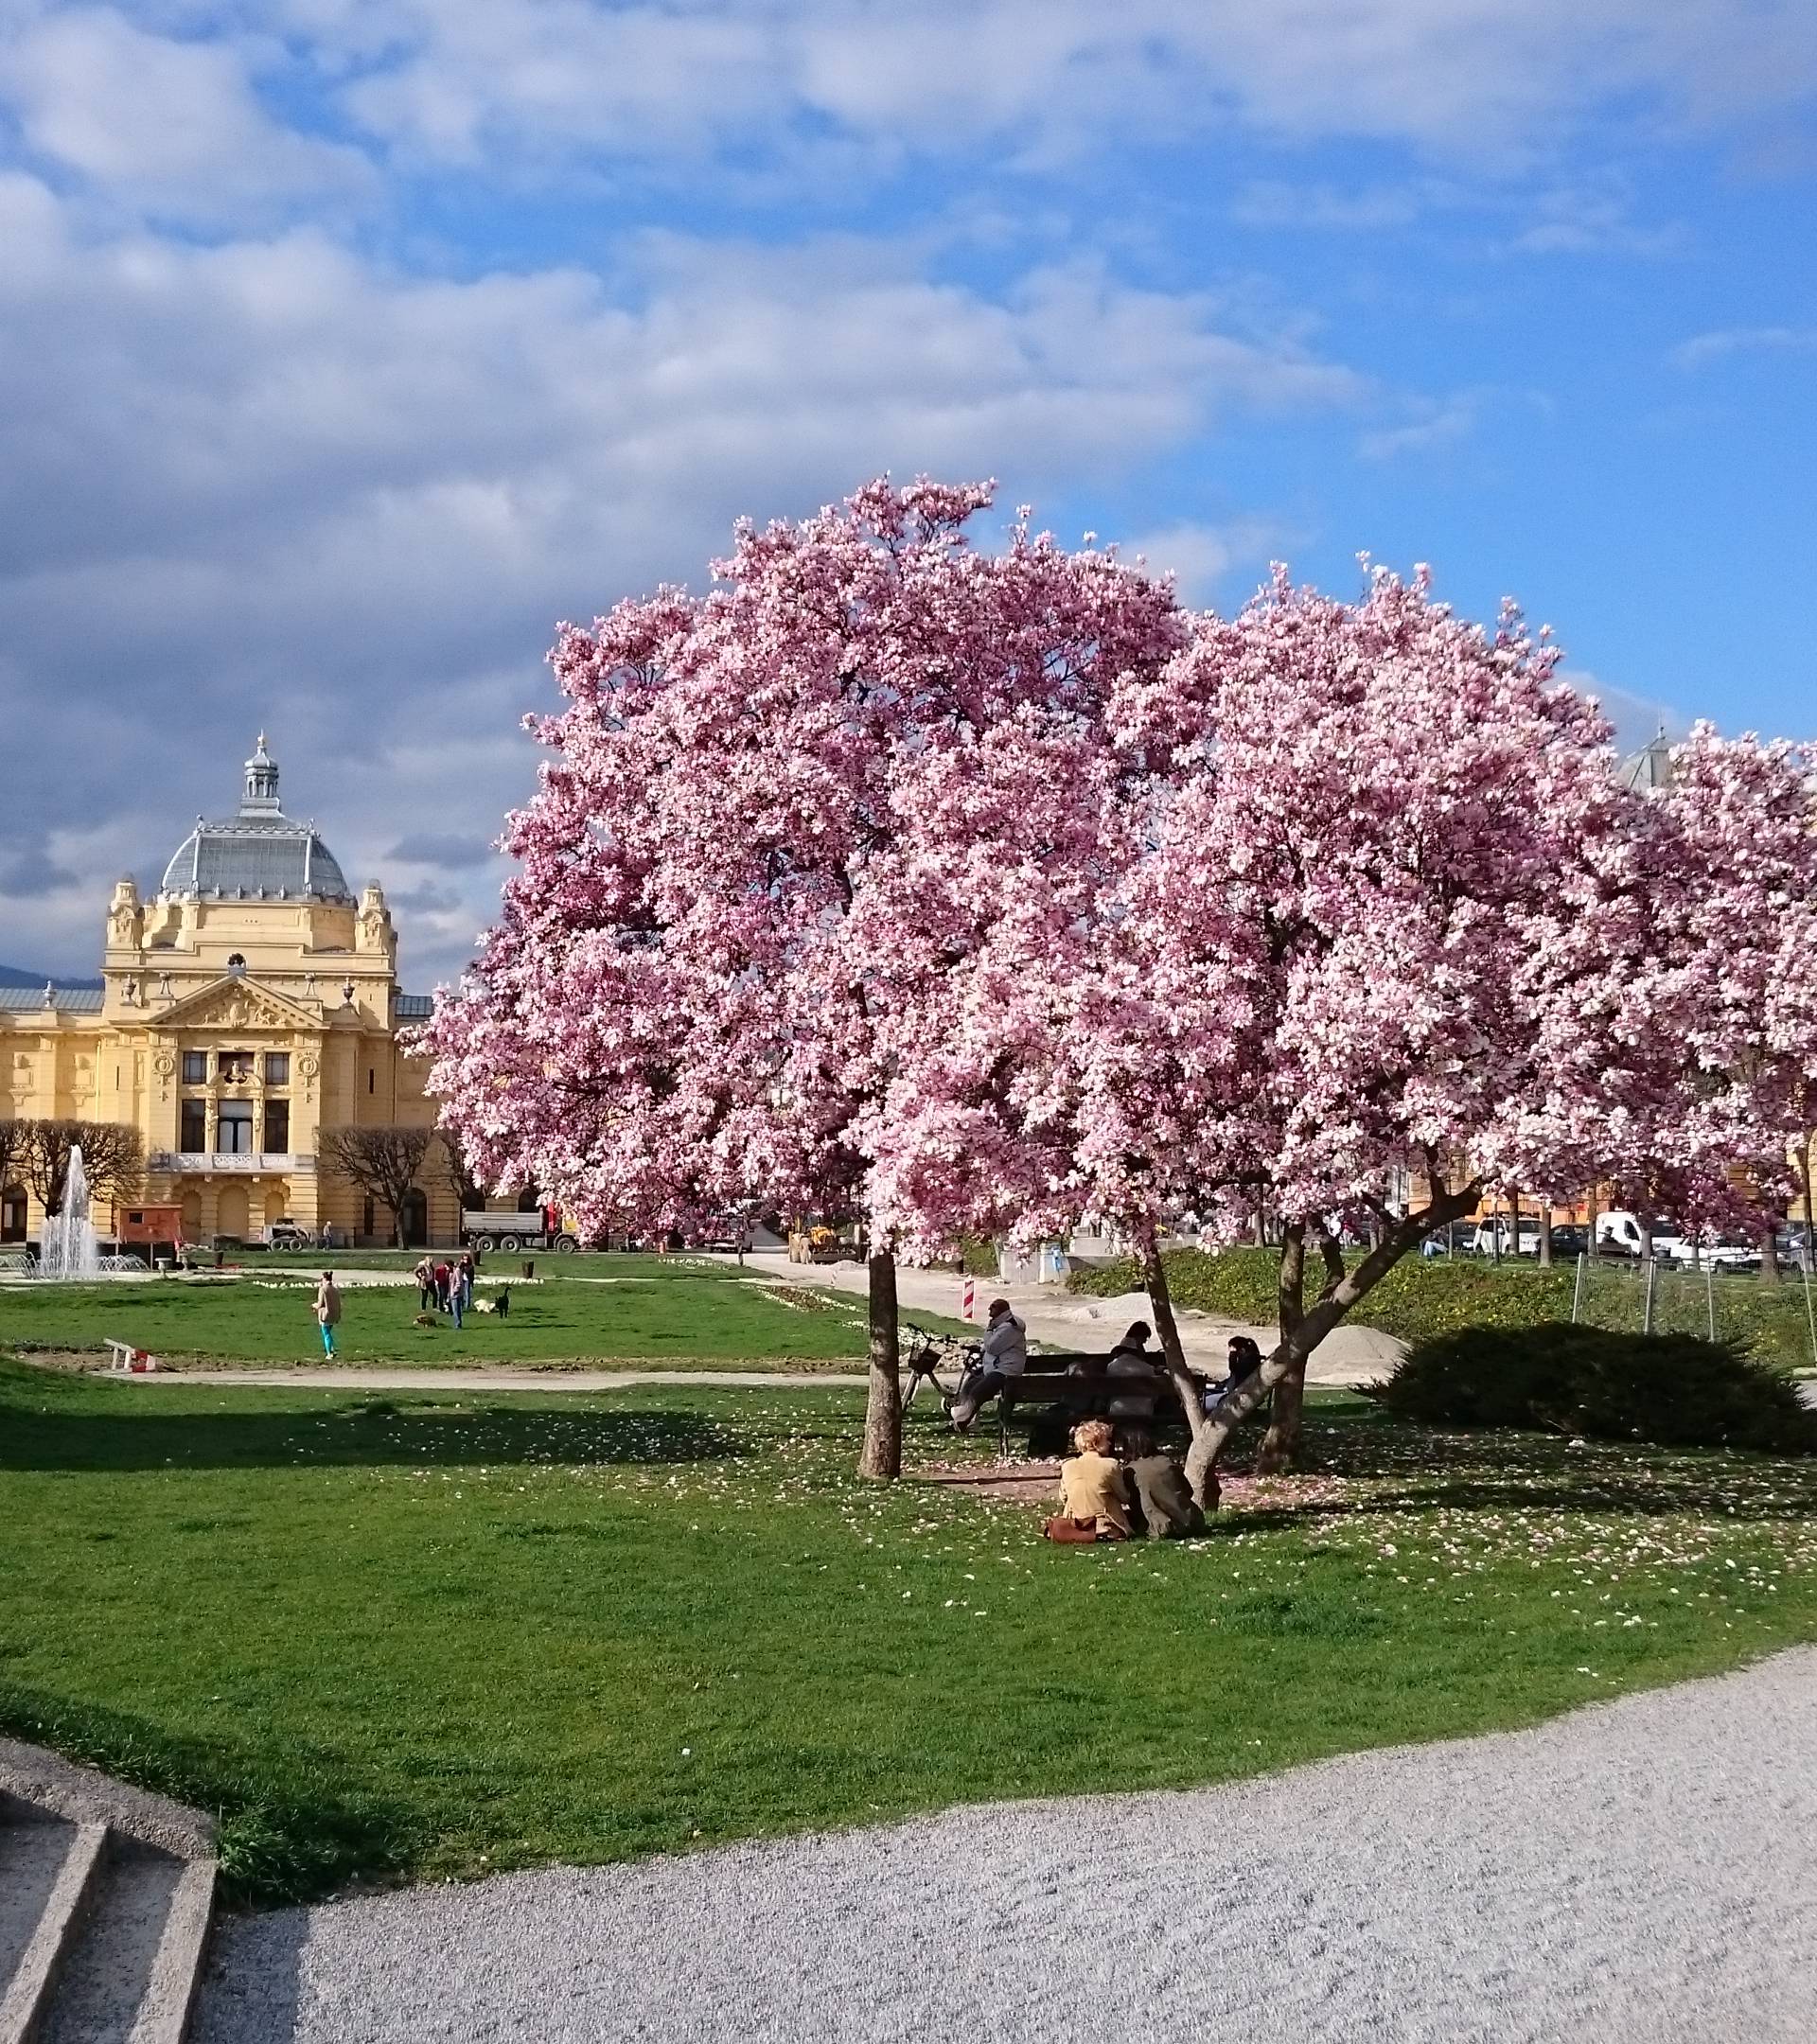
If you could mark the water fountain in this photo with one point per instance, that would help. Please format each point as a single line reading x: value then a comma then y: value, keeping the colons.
x: 69, y: 1248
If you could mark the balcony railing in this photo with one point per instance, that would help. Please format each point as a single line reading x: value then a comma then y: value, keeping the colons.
x: 237, y: 1161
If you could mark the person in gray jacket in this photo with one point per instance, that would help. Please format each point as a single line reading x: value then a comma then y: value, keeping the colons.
x: 1003, y: 1353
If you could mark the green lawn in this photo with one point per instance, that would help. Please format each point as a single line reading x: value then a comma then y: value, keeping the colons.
x: 437, y: 1635
x: 627, y: 1308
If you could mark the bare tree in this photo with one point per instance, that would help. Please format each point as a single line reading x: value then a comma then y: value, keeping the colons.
x: 383, y: 1161
x: 468, y: 1191
x: 48, y: 1144
x: 14, y: 1147
x: 112, y: 1158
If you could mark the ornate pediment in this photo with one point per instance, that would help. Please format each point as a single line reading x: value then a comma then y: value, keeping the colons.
x: 236, y: 1003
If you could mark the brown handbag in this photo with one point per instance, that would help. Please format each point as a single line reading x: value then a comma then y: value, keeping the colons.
x: 1070, y: 1532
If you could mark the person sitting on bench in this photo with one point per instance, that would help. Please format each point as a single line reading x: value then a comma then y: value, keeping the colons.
x: 1161, y: 1494
x: 1093, y: 1499
x: 1002, y: 1353
x: 1136, y: 1375
x: 1245, y: 1360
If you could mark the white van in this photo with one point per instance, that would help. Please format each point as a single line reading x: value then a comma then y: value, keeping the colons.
x: 1489, y: 1233
x: 1619, y: 1234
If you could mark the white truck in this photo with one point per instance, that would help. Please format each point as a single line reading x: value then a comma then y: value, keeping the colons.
x: 1622, y: 1235
x: 509, y: 1232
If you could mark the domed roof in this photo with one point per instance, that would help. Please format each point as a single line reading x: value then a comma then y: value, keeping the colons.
x: 259, y: 853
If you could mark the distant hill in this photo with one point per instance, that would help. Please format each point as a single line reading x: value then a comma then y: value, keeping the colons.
x: 12, y: 975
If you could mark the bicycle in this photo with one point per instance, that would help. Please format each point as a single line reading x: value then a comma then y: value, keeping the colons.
x: 927, y: 1355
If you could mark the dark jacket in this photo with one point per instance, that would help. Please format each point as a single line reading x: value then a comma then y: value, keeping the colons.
x: 1160, y: 1486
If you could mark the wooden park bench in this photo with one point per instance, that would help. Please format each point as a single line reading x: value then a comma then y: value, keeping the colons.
x: 1047, y: 1381
x: 1050, y: 1380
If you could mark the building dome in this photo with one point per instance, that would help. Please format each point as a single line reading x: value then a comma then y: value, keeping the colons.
x: 259, y: 853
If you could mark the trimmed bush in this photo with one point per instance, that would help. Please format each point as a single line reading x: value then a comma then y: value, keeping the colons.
x: 1674, y: 1389
x: 1418, y: 1299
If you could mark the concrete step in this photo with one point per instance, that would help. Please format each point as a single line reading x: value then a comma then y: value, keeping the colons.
x: 31, y: 1856
x: 47, y: 1873
x: 130, y: 1974
x: 106, y: 1893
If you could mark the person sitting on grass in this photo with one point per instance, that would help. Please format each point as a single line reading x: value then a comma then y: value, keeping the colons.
x: 1002, y: 1353
x: 1163, y: 1498
x: 327, y: 1311
x: 1092, y: 1493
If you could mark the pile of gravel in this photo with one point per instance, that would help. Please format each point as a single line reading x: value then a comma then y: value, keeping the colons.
x: 1641, y: 1871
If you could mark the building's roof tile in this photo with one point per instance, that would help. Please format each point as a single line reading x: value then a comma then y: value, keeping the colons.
x: 70, y: 1000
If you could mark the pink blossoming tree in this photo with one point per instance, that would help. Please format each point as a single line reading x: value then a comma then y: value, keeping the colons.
x: 963, y: 892
x: 723, y: 933
x: 1370, y: 901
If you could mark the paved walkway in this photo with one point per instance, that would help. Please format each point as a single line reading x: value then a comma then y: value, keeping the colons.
x: 1628, y: 1874
x: 1067, y: 1320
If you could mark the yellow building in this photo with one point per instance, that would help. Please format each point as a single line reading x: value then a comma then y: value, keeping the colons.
x: 249, y: 1004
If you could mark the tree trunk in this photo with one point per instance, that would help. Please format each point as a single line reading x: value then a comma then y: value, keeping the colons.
x: 1545, y: 1232
x: 882, y: 1455
x: 1280, y: 1450
x: 1768, y: 1255
x: 1289, y: 1358
x: 1494, y: 1230
x: 1589, y: 1223
x: 1809, y: 1210
x: 1280, y: 1443
x: 1161, y: 1303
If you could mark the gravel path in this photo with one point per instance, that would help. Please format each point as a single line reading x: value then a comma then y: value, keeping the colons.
x: 491, y: 1376
x: 1637, y: 1871
x: 1066, y: 1322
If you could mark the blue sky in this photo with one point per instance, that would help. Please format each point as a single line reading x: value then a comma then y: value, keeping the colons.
x: 345, y: 346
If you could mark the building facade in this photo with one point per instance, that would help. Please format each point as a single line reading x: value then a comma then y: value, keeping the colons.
x: 249, y: 1004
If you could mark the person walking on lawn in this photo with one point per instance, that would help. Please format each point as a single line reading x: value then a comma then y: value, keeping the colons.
x: 425, y: 1275
x: 327, y: 1311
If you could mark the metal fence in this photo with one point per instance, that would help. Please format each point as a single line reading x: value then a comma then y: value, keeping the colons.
x: 1656, y: 1298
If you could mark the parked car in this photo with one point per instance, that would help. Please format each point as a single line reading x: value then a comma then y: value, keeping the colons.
x: 1721, y: 1252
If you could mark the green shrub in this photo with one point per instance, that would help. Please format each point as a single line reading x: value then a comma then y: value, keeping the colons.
x: 1675, y: 1389
x: 1419, y: 1299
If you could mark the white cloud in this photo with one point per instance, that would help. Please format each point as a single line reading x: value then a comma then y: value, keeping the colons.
x: 1704, y: 348
x: 1329, y: 208
x: 1204, y: 559
x: 168, y: 127
x: 272, y: 482
x: 1436, y: 424
x: 1638, y: 719
x: 468, y: 80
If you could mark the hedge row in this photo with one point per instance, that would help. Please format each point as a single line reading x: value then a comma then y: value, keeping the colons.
x: 1672, y: 1389
x: 1417, y: 1300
